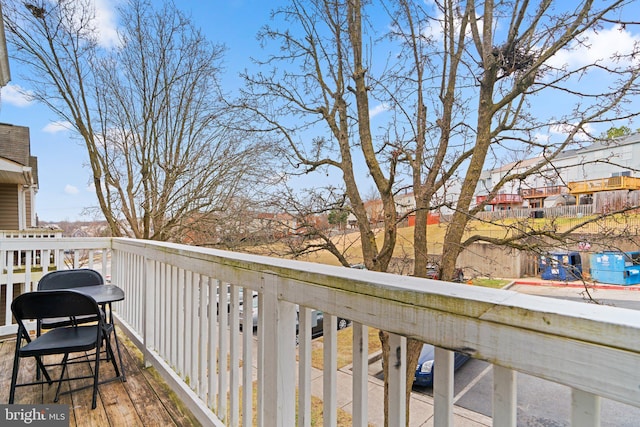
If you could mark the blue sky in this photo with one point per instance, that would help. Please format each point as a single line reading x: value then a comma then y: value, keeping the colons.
x: 64, y: 177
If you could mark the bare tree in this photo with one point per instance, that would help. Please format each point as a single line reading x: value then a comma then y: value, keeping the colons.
x: 460, y: 89
x: 514, y: 67
x: 329, y: 94
x: 148, y: 110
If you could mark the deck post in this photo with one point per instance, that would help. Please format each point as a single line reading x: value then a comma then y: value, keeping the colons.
x: 279, y: 367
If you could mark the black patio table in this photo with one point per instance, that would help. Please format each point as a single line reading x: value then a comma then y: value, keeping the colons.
x: 103, y: 294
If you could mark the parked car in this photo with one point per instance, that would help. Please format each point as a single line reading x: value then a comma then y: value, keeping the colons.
x: 254, y: 311
x: 316, y: 329
x: 433, y: 272
x: 318, y: 323
x: 424, y: 370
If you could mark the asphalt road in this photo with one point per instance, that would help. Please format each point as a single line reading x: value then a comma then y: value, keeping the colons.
x: 542, y: 403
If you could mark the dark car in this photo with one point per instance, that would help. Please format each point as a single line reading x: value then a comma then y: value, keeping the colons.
x: 433, y: 272
x: 318, y: 323
x: 424, y: 370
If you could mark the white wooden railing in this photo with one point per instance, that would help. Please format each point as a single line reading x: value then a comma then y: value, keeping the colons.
x: 170, y: 312
x: 555, y: 212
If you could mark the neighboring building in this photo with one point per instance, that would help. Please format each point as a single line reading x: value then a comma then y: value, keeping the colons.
x: 405, y: 203
x: 568, y: 175
x: 18, y: 179
x: 405, y: 209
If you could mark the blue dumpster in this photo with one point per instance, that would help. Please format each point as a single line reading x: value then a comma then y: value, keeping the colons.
x: 565, y: 266
x: 615, y: 267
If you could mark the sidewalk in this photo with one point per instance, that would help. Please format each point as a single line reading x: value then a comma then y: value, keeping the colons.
x: 421, y: 406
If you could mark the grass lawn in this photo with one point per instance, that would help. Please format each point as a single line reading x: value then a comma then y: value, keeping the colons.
x: 344, y: 418
x: 345, y: 348
x: 489, y: 283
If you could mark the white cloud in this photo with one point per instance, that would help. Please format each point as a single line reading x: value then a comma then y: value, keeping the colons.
x: 601, y: 45
x: 566, y: 129
x: 55, y: 127
x: 106, y: 23
x: 91, y: 188
x: 380, y: 108
x: 15, y: 95
x: 70, y: 189
x: 104, y: 20
x: 541, y: 138
x: 433, y: 29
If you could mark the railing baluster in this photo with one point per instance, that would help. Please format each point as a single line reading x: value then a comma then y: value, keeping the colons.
x: 179, y: 329
x: 397, y: 379
x: 330, y: 368
x: 169, y: 314
x: 203, y: 336
x: 443, y: 388
x: 247, y: 361
x: 304, y: 367
x: 212, y: 356
x: 28, y: 284
x: 360, y: 374
x: 158, y: 297
x: 191, y: 321
x: 150, y: 308
x: 175, y: 306
x: 585, y: 409
x: 234, y: 357
x: 260, y: 361
x: 44, y: 260
x: 9, y: 288
x: 504, y: 397
x: 138, y: 291
x: 223, y: 351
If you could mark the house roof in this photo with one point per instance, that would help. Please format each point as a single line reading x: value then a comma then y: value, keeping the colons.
x: 15, y: 173
x: 595, y: 146
x: 620, y: 141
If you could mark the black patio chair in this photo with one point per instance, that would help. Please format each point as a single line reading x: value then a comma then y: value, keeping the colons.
x: 61, y: 340
x: 67, y: 279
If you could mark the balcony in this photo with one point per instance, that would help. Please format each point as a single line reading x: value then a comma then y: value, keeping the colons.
x: 542, y: 192
x: 604, y: 184
x: 171, y: 315
x: 500, y: 199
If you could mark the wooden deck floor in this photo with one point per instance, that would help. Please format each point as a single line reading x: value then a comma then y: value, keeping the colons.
x: 143, y: 400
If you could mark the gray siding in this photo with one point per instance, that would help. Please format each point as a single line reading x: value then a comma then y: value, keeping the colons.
x: 8, y: 207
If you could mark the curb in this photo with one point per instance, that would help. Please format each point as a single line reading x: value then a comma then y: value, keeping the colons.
x: 594, y: 285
